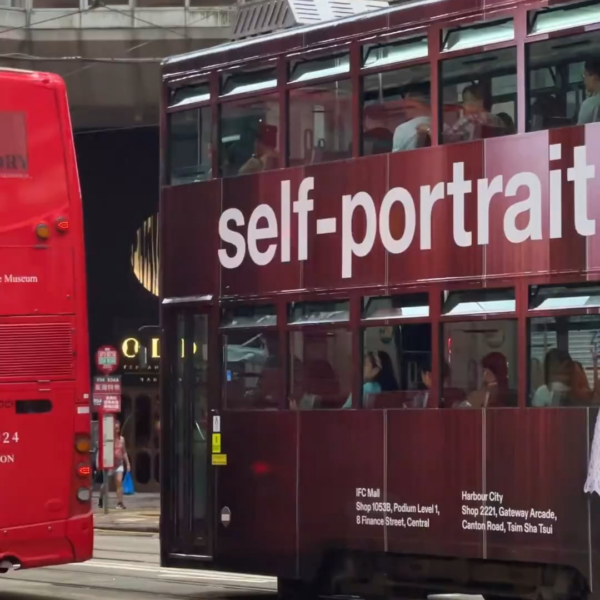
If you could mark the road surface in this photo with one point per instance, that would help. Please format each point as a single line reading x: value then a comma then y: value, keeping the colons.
x: 126, y: 567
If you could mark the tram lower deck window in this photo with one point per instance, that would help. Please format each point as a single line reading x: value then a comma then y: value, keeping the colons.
x: 563, y: 361
x: 480, y: 364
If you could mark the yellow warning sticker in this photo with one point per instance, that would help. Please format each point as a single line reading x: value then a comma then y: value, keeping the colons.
x: 216, y: 443
x: 219, y: 460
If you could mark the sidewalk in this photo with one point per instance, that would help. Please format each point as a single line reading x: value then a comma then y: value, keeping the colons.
x: 142, y: 513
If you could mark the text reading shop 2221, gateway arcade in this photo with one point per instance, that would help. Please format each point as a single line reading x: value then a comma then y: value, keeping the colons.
x: 487, y: 511
x: 371, y: 510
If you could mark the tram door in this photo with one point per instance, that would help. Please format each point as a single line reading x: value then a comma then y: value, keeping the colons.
x: 188, y: 473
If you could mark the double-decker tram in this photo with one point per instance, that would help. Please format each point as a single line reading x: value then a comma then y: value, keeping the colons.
x: 381, y: 303
x: 45, y: 474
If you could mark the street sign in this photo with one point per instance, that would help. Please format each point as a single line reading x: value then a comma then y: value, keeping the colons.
x: 107, y: 359
x: 107, y: 393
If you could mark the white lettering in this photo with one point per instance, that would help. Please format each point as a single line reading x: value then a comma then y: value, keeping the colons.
x: 533, y: 205
x: 264, y: 211
x: 486, y: 190
x: 521, y: 221
x: 397, y: 246
x: 457, y: 188
x: 286, y: 221
x: 302, y: 207
x: 428, y: 198
x: 350, y: 247
x: 7, y: 459
x: 579, y: 174
x: 232, y: 237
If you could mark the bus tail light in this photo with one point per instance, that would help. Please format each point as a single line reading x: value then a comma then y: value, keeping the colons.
x: 84, y: 470
x: 62, y: 224
x: 42, y: 231
x: 84, y: 494
x: 82, y: 444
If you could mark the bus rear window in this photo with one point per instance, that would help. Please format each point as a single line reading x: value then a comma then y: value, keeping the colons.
x: 13, y: 144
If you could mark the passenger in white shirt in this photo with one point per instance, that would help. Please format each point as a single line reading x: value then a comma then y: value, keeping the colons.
x: 417, y: 110
x: 558, y: 373
x: 589, y: 112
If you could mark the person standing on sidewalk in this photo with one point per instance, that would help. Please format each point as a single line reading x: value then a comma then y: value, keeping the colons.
x: 121, y: 464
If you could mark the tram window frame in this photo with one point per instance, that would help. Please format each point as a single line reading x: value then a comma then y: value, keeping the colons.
x: 404, y: 396
x: 457, y: 397
x: 566, y: 90
x: 415, y: 95
x: 336, y: 91
x: 268, y: 135
x: 201, y: 170
x: 569, y: 363
x: 312, y: 400
x: 229, y: 327
x: 498, y: 126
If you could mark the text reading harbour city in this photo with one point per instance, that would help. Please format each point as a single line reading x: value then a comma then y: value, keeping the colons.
x: 263, y: 223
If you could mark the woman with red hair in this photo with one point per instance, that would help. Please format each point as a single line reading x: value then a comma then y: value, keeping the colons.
x: 494, y: 389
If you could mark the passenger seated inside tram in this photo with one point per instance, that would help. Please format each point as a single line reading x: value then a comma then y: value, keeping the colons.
x: 545, y: 111
x: 476, y: 118
x: 558, y: 373
x: 494, y: 389
x: 421, y: 399
x: 265, y: 155
x: 589, y: 112
x: 378, y: 376
x: 414, y: 132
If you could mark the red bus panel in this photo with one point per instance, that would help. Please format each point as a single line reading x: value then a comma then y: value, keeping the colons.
x: 46, y: 518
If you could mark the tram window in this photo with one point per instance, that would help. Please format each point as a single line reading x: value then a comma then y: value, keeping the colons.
x: 320, y: 368
x: 189, y: 146
x: 252, y: 369
x: 327, y: 66
x: 320, y: 123
x: 478, y: 302
x: 555, y: 297
x: 480, y: 364
x: 259, y: 315
x: 303, y: 313
x: 564, y: 81
x: 190, y: 94
x: 479, y: 96
x: 406, y: 306
x: 563, y: 361
x: 395, y: 359
x: 395, y: 104
x: 249, y: 136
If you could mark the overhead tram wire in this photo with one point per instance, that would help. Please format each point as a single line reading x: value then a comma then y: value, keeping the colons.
x: 106, y: 60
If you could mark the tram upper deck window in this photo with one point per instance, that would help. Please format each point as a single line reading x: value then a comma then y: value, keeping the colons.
x: 251, y: 356
x: 320, y: 113
x: 249, y: 135
x: 189, y: 145
x: 552, y: 297
x: 320, y: 359
x: 564, y: 81
x: 479, y: 95
x: 401, y: 352
x: 395, y: 105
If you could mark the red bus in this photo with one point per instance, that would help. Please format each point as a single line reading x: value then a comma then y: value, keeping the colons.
x: 380, y: 302
x: 45, y: 475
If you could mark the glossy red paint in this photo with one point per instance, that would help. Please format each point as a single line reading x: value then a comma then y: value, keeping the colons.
x: 44, y: 373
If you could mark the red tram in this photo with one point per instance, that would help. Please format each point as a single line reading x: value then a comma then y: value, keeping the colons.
x: 381, y: 302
